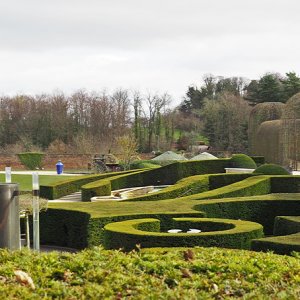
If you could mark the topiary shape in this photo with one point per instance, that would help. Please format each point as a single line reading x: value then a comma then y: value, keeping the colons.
x: 242, y: 161
x: 271, y: 169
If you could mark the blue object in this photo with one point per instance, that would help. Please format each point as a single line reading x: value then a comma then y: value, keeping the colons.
x: 59, y: 167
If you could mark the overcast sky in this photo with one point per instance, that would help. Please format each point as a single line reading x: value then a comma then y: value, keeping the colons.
x: 154, y: 45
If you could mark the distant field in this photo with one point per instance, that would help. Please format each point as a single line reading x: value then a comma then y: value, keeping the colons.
x: 25, y: 181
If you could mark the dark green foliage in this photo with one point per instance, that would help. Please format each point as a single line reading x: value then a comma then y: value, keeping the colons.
x: 79, y: 230
x: 228, y: 234
x: 220, y: 180
x: 31, y: 160
x: 259, y: 160
x: 242, y: 161
x: 280, y: 244
x: 256, y: 210
x: 268, y: 88
x: 286, y: 225
x: 285, y: 184
x: 258, y: 185
x: 65, y: 228
x: 271, y: 169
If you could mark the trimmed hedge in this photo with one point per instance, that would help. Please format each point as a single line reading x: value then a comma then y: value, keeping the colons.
x: 145, y: 232
x: 78, y: 229
x: 271, y: 169
x: 260, y: 209
x: 242, y: 161
x: 31, y: 160
x: 285, y: 184
x: 254, y: 185
x: 285, y: 225
x: 259, y: 160
x: 166, y: 175
x: 66, y: 187
x: 192, y: 185
x: 279, y: 244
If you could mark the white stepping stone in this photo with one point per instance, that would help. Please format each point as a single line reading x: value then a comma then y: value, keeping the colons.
x: 174, y: 230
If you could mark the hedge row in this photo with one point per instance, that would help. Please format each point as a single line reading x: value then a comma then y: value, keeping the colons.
x: 285, y: 225
x: 80, y: 225
x: 146, y: 233
x: 166, y: 175
x: 260, y: 209
x: 192, y: 185
x: 80, y: 230
x: 280, y: 244
x: 286, y: 237
x: 66, y: 187
x: 254, y: 185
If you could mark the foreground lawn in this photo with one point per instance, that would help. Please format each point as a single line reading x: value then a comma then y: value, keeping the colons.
x: 25, y: 181
x: 198, y: 273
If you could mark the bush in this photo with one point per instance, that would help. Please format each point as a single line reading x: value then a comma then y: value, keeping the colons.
x: 242, y: 161
x: 146, y: 233
x: 271, y: 169
x: 31, y: 160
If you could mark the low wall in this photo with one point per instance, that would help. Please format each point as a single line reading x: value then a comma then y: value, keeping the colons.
x: 70, y: 161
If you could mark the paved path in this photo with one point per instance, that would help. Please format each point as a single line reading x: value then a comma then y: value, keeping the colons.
x: 75, y: 197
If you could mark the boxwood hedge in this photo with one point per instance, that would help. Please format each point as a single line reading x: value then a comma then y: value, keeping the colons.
x: 166, y: 175
x: 147, y: 234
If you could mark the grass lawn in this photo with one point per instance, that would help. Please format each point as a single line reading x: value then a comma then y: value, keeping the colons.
x: 25, y: 181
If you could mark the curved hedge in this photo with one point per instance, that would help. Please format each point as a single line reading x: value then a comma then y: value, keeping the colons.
x: 166, y: 175
x: 285, y: 225
x: 145, y: 232
x: 65, y: 187
x: 286, y: 237
x: 279, y: 244
x: 271, y: 169
x: 192, y: 185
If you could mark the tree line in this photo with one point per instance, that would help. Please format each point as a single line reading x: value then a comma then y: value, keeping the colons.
x: 215, y: 112
x: 83, y: 122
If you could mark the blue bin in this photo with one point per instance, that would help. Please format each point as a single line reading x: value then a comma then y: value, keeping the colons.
x: 59, y: 167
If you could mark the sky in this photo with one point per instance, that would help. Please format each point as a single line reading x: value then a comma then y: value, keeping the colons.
x: 152, y: 46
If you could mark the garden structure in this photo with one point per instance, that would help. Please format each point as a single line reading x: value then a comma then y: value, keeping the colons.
x: 274, y: 132
x: 257, y: 210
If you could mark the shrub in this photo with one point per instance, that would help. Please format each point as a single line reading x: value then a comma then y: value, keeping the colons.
x: 169, y: 273
x: 242, y: 161
x: 146, y: 233
x: 31, y: 160
x: 271, y: 169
